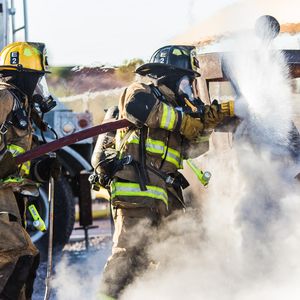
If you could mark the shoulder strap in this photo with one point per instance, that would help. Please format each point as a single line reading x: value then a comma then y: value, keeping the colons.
x: 8, y: 122
x: 125, y: 138
x: 19, y: 117
x: 158, y: 93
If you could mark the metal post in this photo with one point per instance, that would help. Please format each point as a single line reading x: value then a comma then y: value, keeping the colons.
x: 25, y: 20
x: 13, y: 25
x: 50, y: 242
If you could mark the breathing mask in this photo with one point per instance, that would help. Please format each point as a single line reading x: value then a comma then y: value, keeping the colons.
x: 185, y: 93
x: 42, y: 97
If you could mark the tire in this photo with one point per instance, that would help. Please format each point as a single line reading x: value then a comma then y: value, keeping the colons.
x: 64, y: 217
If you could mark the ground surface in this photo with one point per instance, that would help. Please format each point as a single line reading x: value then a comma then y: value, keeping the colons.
x: 77, y: 256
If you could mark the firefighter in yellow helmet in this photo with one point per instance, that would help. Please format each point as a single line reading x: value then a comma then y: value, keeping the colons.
x: 22, y: 69
x: 148, y: 187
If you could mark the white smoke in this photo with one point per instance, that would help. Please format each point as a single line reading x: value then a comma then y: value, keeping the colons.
x: 244, y: 241
x: 76, y: 281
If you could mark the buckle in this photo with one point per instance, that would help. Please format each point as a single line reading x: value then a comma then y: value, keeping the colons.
x: 170, y: 180
x: 3, y: 129
x: 127, y: 160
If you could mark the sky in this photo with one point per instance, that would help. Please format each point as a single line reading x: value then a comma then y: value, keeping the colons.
x: 108, y: 32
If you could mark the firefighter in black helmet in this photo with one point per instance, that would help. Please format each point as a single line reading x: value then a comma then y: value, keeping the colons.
x: 149, y: 187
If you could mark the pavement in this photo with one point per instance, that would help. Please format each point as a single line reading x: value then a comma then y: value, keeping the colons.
x: 78, y: 257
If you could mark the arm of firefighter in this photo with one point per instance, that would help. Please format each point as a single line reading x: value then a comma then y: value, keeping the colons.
x: 7, y: 163
x: 213, y: 116
x: 144, y: 108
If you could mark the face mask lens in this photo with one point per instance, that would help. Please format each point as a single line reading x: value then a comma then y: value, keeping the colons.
x: 42, y: 88
x: 185, y: 88
x: 42, y: 98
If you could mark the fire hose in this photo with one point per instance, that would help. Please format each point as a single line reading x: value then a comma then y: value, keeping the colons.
x: 71, y: 139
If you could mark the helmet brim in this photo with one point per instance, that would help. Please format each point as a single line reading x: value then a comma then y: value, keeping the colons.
x: 18, y: 69
x: 159, y: 70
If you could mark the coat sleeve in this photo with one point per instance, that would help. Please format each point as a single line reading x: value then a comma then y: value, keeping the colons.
x: 6, y: 106
x: 141, y: 107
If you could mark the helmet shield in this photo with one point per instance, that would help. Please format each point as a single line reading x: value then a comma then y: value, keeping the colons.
x: 186, y: 92
x: 42, y: 88
x: 42, y: 97
x: 185, y: 88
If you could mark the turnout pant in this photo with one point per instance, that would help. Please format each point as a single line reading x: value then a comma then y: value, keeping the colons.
x: 134, y: 230
x: 19, y: 258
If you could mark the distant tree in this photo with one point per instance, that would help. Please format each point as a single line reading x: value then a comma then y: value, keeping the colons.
x: 61, y: 72
x: 125, y: 72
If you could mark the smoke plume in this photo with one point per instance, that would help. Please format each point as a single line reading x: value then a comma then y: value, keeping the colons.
x: 242, y: 241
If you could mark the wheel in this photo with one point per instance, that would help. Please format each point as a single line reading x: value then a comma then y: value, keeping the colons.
x: 64, y: 217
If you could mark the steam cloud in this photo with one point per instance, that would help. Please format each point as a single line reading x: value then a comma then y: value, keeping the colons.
x: 243, y: 241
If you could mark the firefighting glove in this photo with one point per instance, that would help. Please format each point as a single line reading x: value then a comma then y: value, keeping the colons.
x: 227, y: 108
x: 190, y: 127
x: 46, y: 167
x: 7, y: 165
x: 215, y: 113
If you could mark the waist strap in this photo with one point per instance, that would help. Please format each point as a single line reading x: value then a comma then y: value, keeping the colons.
x: 177, y: 180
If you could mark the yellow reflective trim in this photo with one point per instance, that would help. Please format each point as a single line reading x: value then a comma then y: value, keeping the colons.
x: 118, y: 139
x: 164, y: 116
x: 12, y: 180
x: 133, y: 139
x: 174, y: 152
x: 173, y: 160
x: 25, y: 168
x: 158, y: 147
x: 173, y: 116
x: 133, y: 189
x: 155, y: 146
x: 174, y: 157
x: 15, y: 149
x: 168, y: 117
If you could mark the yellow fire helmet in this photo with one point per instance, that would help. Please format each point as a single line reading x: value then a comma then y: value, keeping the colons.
x: 24, y: 56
